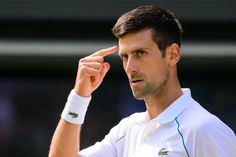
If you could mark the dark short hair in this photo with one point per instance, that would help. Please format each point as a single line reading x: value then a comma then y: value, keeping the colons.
x: 166, y: 29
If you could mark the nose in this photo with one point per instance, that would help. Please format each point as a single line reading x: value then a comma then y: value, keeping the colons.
x: 131, y: 66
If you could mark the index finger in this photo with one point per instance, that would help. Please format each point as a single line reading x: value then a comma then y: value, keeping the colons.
x: 105, y: 52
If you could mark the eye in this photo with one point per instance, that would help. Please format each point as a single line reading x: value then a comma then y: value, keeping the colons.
x: 140, y: 53
x: 124, y: 57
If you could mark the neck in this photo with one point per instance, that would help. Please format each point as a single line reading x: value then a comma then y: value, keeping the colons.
x: 158, y: 102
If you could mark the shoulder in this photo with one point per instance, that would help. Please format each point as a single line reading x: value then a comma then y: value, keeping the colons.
x: 195, y: 117
x: 204, y: 122
x: 213, y: 137
x: 206, y: 133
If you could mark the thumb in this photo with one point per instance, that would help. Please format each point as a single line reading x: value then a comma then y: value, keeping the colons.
x: 106, y: 67
x: 98, y: 80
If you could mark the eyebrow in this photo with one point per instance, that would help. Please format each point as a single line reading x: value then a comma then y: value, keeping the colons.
x: 134, y: 51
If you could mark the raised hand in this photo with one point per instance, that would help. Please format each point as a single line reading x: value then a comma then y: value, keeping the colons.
x: 91, y: 71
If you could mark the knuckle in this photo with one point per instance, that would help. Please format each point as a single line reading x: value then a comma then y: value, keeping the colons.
x: 83, y: 68
x: 82, y: 59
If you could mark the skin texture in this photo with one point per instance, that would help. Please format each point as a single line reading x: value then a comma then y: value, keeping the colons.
x: 152, y: 78
x: 91, y: 71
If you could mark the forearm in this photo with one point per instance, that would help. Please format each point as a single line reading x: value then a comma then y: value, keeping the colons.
x: 65, y: 142
x: 91, y: 71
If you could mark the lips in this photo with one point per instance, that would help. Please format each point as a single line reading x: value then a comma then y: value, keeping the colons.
x: 136, y: 79
x: 135, y: 82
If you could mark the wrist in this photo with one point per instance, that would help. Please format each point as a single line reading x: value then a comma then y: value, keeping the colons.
x: 75, y: 108
x: 80, y: 93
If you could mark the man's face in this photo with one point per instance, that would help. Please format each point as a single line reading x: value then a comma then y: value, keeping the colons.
x: 144, y: 64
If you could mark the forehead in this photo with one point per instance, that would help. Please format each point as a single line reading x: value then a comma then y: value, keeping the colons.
x: 134, y: 41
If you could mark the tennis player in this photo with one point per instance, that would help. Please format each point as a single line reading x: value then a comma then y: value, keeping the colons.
x: 174, y: 124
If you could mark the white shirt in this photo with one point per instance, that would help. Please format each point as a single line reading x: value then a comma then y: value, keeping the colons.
x: 184, y: 129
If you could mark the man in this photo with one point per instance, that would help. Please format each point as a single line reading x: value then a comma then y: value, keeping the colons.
x: 174, y: 124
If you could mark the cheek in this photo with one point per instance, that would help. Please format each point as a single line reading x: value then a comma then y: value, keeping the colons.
x: 157, y: 71
x: 124, y: 65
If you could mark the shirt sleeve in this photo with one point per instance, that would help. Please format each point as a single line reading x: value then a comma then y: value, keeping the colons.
x: 214, y: 138
x: 101, y: 149
x: 112, y: 145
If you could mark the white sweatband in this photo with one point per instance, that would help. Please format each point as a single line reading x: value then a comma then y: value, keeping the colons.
x: 75, y: 108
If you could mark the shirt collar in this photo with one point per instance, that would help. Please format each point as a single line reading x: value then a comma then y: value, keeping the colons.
x: 176, y: 108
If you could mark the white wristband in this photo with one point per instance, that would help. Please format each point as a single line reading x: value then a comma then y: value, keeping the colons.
x: 75, y: 108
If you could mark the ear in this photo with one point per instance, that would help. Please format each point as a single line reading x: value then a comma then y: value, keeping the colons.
x: 173, y: 54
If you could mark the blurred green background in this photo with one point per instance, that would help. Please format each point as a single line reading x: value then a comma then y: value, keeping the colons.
x: 41, y: 43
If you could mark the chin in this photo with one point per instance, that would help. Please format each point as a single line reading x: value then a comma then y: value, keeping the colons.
x: 138, y: 96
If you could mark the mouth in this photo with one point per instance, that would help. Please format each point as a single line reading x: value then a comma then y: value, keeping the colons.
x: 135, y: 82
x: 136, y: 79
